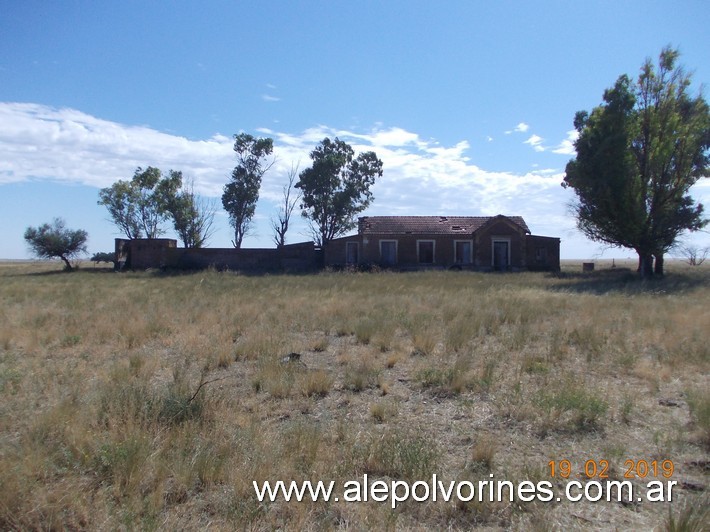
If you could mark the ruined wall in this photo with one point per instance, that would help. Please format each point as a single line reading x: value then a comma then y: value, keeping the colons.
x: 542, y: 252
x: 141, y: 254
x: 293, y: 257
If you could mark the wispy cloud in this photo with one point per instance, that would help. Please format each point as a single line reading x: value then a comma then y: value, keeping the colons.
x: 269, y: 98
x: 536, y: 142
x: 522, y: 127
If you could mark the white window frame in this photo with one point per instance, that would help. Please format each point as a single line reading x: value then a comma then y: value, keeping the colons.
x: 396, y: 249
x: 505, y: 239
x: 433, y: 251
x: 470, y: 251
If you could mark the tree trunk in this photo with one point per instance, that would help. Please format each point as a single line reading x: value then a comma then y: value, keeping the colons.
x: 645, y: 265
x: 658, y: 266
x: 67, y: 264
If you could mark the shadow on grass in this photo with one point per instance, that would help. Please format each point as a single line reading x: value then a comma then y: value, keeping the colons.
x: 60, y: 271
x: 627, y: 281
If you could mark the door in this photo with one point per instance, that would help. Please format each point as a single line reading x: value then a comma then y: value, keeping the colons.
x: 388, y: 252
x: 351, y: 253
x: 463, y: 252
x: 501, y: 254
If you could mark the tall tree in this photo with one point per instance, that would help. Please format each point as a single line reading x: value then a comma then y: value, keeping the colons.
x: 56, y: 241
x: 120, y: 201
x: 192, y: 216
x: 288, y: 204
x: 136, y: 206
x: 336, y: 188
x: 242, y: 192
x: 638, y: 154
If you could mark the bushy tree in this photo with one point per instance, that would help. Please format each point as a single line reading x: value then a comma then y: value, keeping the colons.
x: 336, y: 188
x: 135, y: 206
x: 54, y: 240
x: 103, y: 256
x: 242, y: 192
x: 638, y: 154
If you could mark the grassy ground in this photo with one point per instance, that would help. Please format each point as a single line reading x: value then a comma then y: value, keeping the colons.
x: 152, y: 401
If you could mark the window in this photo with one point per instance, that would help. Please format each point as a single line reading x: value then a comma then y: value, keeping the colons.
x: 351, y: 253
x: 463, y: 252
x: 425, y: 251
x: 388, y: 252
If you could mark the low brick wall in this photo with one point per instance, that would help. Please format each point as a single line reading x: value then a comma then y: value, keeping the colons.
x: 141, y: 254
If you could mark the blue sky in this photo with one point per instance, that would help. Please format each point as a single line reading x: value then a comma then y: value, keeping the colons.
x: 469, y: 104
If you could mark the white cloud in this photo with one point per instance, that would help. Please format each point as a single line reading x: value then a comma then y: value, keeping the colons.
x: 269, y: 98
x: 536, y: 142
x: 40, y: 142
x: 566, y: 147
x: 522, y: 127
x: 420, y: 176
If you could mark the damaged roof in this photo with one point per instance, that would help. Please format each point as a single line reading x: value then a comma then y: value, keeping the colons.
x: 444, y: 225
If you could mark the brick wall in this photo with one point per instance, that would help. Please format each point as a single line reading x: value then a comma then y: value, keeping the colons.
x: 163, y: 253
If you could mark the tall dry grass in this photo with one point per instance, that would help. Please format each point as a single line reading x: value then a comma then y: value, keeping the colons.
x: 150, y: 400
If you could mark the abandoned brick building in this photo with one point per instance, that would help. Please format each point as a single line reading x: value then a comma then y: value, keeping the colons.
x: 501, y: 243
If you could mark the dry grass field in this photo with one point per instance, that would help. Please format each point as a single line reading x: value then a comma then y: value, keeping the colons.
x: 152, y: 400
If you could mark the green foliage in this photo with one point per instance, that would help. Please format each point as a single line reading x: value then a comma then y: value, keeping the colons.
x: 103, y: 257
x: 336, y: 188
x: 242, y: 192
x: 140, y: 205
x: 638, y: 154
x: 137, y: 206
x: 570, y: 405
x: 56, y: 241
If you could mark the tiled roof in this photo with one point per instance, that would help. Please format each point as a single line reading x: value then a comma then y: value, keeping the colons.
x: 445, y: 225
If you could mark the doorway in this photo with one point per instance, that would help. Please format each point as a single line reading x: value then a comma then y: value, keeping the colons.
x: 501, y: 255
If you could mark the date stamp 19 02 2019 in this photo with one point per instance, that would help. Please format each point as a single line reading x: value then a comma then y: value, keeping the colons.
x: 599, y: 469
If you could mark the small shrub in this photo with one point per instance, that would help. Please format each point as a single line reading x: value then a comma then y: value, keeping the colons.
x: 321, y: 344
x: 258, y: 344
x: 572, y: 406
x: 458, y: 334
x: 121, y: 463
x: 627, y: 406
x: 316, y: 383
x: 483, y: 453
x: 275, y: 378
x: 365, y: 329
x: 424, y: 341
x: 399, y: 454
x: 534, y: 364
x: 70, y: 340
x: 378, y: 412
x: 360, y: 376
x: 435, y: 377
